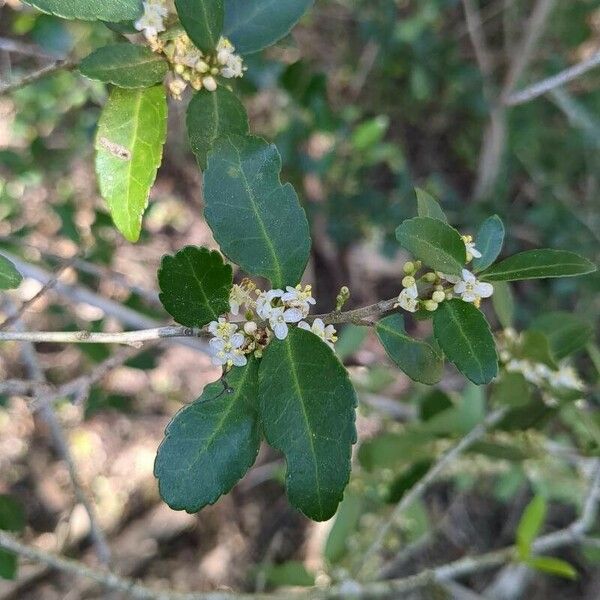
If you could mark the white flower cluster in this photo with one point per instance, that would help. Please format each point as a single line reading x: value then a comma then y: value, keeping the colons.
x: 467, y: 286
x: 190, y: 65
x: 268, y: 314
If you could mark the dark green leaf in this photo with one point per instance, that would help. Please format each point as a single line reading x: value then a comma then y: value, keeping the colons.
x: 536, y: 348
x: 539, y: 264
x: 530, y: 524
x: 416, y: 358
x: 202, y: 21
x: 489, y: 240
x: 308, y: 411
x: 392, y: 449
x: 504, y: 303
x: 438, y: 245
x: 210, y: 444
x: 289, y: 573
x: 428, y: 206
x: 434, y: 403
x: 131, y: 134
x: 90, y: 10
x: 10, y: 278
x: 566, y: 332
x: 212, y: 115
x: 553, y: 566
x: 258, y: 222
x: 252, y: 26
x: 8, y: 564
x: 498, y: 451
x: 195, y: 286
x: 12, y: 517
x: 406, y: 481
x: 125, y: 65
x: 511, y: 389
x: 345, y: 524
x: 465, y: 337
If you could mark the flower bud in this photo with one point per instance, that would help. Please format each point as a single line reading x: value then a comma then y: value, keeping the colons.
x: 202, y: 67
x: 438, y: 296
x: 408, y: 281
x: 409, y: 268
x: 430, y: 277
x: 430, y: 305
x: 250, y: 327
x: 210, y: 83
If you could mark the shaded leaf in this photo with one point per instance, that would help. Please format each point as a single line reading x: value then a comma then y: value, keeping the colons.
x: 90, y: 10
x: 407, y: 480
x: 566, y: 332
x: 12, y: 517
x: 536, y: 264
x: 438, y: 245
x: 536, y: 348
x: 10, y: 278
x: 345, y: 524
x: 308, y: 411
x: 8, y: 564
x: 291, y: 572
x: 258, y: 222
x: 125, y: 65
x: 488, y: 241
x: 465, y: 337
x: 511, y: 389
x: 417, y: 359
x: 504, y: 303
x: 530, y: 525
x: 428, y: 206
x: 212, y: 115
x: 129, y: 143
x: 434, y: 403
x: 195, y: 285
x: 202, y: 21
x: 210, y: 444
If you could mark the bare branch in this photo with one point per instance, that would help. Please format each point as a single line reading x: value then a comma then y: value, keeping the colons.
x: 18, y: 47
x: 562, y: 78
x: 59, y: 65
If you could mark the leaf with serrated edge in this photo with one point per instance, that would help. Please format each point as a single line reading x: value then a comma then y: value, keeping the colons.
x: 488, y: 241
x: 90, y: 10
x: 10, y: 278
x: 539, y: 264
x: 212, y: 115
x: 129, y: 143
x: 202, y: 21
x: 416, y: 358
x: 195, y: 285
x: 258, y: 222
x: 252, y: 26
x: 438, y: 245
x: 124, y: 65
x: 465, y: 337
x: 307, y: 406
x: 210, y: 444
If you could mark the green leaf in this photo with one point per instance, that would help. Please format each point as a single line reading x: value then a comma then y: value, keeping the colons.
x: 195, y: 286
x: 252, y: 26
x: 258, y: 222
x: 488, y: 241
x: 536, y: 264
x: 389, y: 450
x: 438, y: 245
x: 417, y: 359
x: 536, y: 348
x: 10, y: 278
x: 12, y: 517
x: 125, y: 65
x: 434, y: 403
x: 428, y: 206
x: 292, y: 572
x: 210, y: 445
x: 407, y: 480
x: 371, y: 132
x: 8, y: 564
x: 566, y: 332
x: 90, y: 10
x: 553, y: 566
x: 529, y: 526
x: 345, y: 524
x: 504, y: 303
x: 511, y: 389
x: 213, y: 115
x: 308, y: 411
x: 202, y: 21
x: 131, y: 134
x: 465, y: 337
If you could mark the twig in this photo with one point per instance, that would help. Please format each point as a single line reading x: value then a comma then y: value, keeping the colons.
x: 59, y: 65
x: 417, y: 491
x: 18, y: 47
x: 476, y: 34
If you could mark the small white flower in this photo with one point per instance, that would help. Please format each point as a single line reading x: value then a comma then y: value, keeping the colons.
x: 280, y: 317
x: 222, y: 329
x: 566, y: 377
x: 327, y: 334
x: 177, y: 86
x: 299, y: 298
x: 409, y: 299
x: 472, y: 251
x: 233, y: 68
x: 264, y: 302
x: 228, y: 351
x: 472, y: 290
x: 153, y: 19
x: 238, y: 297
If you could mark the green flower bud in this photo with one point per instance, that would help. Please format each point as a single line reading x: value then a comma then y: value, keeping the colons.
x: 430, y: 305
x: 409, y: 268
x: 408, y: 281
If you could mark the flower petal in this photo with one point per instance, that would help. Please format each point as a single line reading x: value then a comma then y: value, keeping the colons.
x: 484, y: 290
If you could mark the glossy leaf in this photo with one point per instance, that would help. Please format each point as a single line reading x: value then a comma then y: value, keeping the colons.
x: 552, y: 566
x: 195, y: 286
x: 131, y: 134
x: 488, y: 241
x: 90, y: 10
x: 465, y: 337
x: 539, y: 264
x: 202, y: 21
x: 210, y: 444
x: 212, y: 115
x: 566, y: 332
x: 256, y: 24
x: 428, y: 206
x: 258, y: 223
x: 530, y: 525
x: 438, y: 245
x: 125, y: 65
x: 10, y: 278
x: 414, y: 357
x: 308, y: 410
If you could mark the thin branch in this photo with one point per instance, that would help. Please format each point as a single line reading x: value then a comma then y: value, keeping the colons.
x: 546, y: 85
x: 476, y: 34
x: 419, y: 489
x: 55, y: 67
x: 9, y: 45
